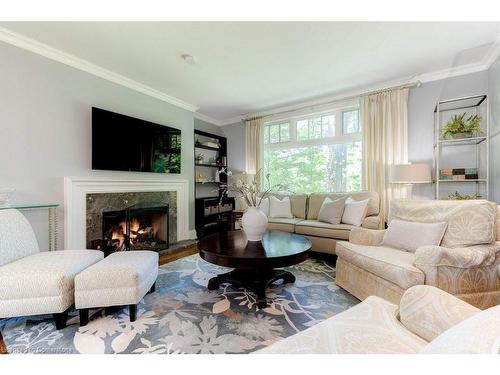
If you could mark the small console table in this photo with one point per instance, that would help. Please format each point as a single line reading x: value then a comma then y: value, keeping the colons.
x: 52, y: 219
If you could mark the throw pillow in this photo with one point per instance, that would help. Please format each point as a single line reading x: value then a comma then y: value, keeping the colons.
x: 331, y: 210
x: 354, y: 211
x: 410, y: 235
x: 280, y: 208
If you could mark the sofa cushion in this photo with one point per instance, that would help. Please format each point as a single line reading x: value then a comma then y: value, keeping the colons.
x: 44, y: 274
x: 316, y: 200
x: 320, y: 229
x: 281, y: 223
x: 391, y: 264
x: 370, y: 327
x: 478, y: 334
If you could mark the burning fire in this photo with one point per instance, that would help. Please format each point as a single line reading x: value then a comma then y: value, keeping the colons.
x: 135, y: 231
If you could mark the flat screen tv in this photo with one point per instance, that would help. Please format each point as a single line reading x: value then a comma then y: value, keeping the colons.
x: 124, y: 143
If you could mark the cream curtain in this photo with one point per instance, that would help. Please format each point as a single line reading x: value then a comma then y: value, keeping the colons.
x: 385, y: 142
x: 254, y: 150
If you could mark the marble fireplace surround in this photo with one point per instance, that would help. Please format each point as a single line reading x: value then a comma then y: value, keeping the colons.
x: 77, y: 188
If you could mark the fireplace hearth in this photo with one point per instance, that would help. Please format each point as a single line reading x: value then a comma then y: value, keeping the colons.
x: 142, y: 226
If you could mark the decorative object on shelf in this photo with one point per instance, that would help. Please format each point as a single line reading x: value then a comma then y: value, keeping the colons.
x: 410, y: 174
x: 458, y: 174
x: 5, y: 195
x: 217, y: 176
x: 254, y: 221
x: 458, y: 127
x: 459, y: 197
x: 199, y: 158
x: 200, y: 178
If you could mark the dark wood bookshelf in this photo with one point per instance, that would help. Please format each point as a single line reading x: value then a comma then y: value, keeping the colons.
x: 213, y: 209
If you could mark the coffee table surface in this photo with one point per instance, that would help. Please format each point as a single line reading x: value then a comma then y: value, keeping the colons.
x: 232, y: 249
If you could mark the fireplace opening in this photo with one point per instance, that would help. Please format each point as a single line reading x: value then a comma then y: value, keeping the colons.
x: 143, y: 226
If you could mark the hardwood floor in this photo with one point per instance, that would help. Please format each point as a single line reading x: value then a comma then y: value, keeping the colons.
x: 181, y: 253
x: 3, y: 348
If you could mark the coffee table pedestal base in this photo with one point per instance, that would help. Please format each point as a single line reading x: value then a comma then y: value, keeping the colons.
x: 256, y: 281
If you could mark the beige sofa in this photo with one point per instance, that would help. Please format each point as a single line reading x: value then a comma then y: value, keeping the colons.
x: 467, y: 264
x: 427, y: 320
x: 323, y: 236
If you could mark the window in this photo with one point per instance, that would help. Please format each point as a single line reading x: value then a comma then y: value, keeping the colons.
x: 276, y: 133
x: 350, y: 121
x: 314, y: 153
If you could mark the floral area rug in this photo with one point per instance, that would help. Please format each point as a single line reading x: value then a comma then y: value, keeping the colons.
x: 182, y: 316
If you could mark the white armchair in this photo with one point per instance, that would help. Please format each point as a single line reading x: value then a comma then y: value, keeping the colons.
x: 34, y: 282
x: 427, y: 320
x: 465, y: 265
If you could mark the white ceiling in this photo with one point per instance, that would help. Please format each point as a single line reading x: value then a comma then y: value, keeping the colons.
x: 248, y: 67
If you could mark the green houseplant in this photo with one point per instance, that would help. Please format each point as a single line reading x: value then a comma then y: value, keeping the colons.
x: 460, y: 127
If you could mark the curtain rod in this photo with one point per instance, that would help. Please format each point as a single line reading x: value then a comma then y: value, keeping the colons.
x: 373, y: 92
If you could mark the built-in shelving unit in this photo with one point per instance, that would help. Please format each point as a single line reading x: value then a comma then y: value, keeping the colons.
x: 462, y: 153
x: 213, y: 209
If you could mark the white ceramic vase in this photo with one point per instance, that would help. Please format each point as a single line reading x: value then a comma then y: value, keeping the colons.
x: 254, y: 223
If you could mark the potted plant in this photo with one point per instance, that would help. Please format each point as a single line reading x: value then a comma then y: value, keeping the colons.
x: 456, y: 196
x: 459, y: 127
x: 253, y: 221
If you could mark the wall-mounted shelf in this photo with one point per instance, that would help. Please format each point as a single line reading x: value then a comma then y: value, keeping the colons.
x: 475, y: 156
x: 461, y: 141
x: 207, y: 147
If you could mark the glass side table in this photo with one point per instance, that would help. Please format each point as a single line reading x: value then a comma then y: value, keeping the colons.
x: 52, y: 219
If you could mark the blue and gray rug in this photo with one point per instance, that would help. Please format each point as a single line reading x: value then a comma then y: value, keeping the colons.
x: 182, y: 316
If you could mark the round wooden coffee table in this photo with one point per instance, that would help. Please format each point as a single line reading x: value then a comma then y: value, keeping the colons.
x: 254, y: 263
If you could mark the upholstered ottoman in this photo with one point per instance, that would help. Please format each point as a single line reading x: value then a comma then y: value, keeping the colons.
x: 122, y: 278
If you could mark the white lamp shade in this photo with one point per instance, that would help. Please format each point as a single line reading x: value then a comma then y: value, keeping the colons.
x: 410, y: 174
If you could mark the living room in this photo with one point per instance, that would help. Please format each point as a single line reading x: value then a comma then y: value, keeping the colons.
x: 175, y: 186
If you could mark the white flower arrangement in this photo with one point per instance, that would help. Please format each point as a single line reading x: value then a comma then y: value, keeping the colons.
x: 251, y: 191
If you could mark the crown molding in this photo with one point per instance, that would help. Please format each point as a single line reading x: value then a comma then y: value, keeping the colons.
x: 211, y: 120
x: 232, y: 120
x: 49, y: 52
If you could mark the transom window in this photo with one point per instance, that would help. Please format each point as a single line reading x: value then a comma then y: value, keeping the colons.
x: 315, y: 152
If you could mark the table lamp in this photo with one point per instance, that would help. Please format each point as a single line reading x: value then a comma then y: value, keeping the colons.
x: 410, y: 174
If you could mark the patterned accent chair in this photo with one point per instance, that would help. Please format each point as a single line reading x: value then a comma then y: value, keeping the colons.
x: 466, y: 264
x: 34, y: 282
x: 427, y: 320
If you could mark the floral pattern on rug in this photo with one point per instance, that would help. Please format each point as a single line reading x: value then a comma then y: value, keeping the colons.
x: 183, y: 316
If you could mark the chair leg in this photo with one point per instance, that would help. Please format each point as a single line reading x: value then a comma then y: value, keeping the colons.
x: 132, y: 312
x: 60, y: 319
x: 153, y: 288
x: 84, y: 317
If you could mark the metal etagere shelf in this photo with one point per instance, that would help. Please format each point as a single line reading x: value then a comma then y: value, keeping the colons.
x: 476, y: 146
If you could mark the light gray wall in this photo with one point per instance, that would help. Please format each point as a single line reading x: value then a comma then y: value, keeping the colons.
x: 235, y: 134
x: 421, y: 104
x: 45, y: 128
x: 207, y: 127
x: 494, y: 92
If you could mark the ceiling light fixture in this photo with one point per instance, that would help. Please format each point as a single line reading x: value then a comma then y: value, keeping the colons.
x: 188, y: 58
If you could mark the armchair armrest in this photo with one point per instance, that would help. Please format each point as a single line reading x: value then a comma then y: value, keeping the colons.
x: 370, y: 237
x: 428, y: 311
x: 371, y: 222
x: 460, y: 257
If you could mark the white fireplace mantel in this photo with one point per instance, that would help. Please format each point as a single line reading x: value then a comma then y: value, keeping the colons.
x: 77, y: 188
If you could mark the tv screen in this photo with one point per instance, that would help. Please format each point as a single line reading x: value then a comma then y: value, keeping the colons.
x: 124, y: 143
